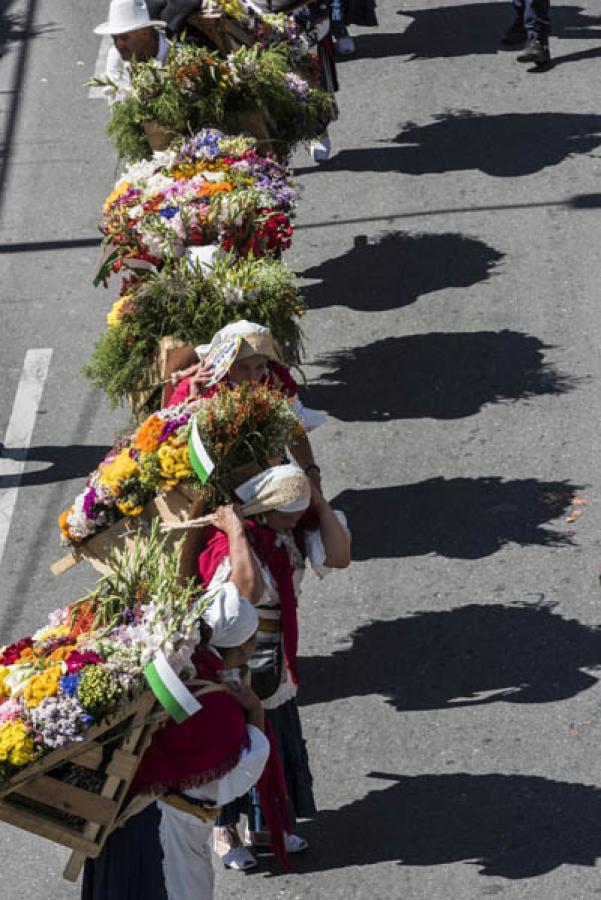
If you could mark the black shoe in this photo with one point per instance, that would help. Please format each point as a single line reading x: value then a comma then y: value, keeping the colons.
x: 536, y: 52
x: 515, y: 35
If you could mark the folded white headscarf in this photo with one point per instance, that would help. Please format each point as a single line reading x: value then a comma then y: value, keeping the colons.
x: 283, y: 488
x: 234, y: 329
x: 233, y: 619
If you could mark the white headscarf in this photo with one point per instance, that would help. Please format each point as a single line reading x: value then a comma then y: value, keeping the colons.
x: 263, y: 485
x: 233, y: 619
x: 234, y: 329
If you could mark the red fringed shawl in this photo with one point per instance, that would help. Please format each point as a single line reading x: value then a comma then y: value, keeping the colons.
x: 206, y: 747
x: 273, y: 557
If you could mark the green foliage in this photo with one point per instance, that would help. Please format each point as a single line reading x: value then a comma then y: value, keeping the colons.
x: 195, y: 88
x: 187, y: 304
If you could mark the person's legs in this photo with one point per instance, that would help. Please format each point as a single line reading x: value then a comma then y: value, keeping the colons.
x: 187, y: 860
x: 537, y: 19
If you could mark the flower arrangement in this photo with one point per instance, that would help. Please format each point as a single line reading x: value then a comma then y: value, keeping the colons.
x: 244, y: 425
x: 191, y: 305
x: 209, y: 189
x: 193, y: 88
x: 152, y: 460
x: 88, y: 660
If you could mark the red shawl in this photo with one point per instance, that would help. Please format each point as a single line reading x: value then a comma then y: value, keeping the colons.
x: 273, y: 557
x: 203, y: 748
x: 278, y: 377
x: 206, y: 747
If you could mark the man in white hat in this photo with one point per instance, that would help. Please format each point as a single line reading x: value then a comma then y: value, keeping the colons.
x: 135, y: 36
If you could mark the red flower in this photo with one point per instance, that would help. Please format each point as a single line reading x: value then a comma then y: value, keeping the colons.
x: 13, y: 653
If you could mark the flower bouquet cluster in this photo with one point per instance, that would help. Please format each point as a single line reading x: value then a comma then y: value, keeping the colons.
x: 88, y: 661
x: 151, y: 461
x: 245, y: 426
x: 195, y: 88
x: 191, y: 305
x: 209, y: 189
x: 240, y: 426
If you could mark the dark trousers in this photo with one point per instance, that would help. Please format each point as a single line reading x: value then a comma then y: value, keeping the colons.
x: 536, y: 15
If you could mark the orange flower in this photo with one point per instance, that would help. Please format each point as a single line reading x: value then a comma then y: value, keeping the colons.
x: 61, y: 653
x: 147, y: 437
x: 216, y: 187
x: 64, y: 525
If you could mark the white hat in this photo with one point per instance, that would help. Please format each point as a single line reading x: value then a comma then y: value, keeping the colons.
x: 127, y: 15
x: 231, y: 617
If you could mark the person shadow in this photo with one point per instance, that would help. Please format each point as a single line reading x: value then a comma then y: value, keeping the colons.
x: 506, y: 145
x: 473, y: 655
x: 458, y: 518
x: 465, y: 30
x: 438, y: 375
x: 509, y: 826
x: 63, y: 463
x: 397, y: 269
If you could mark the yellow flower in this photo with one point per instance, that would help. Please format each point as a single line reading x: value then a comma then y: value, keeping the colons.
x: 45, y: 684
x: 16, y: 744
x: 122, y: 467
x: 120, y: 189
x: 114, y: 316
x: 4, y: 688
x: 129, y: 508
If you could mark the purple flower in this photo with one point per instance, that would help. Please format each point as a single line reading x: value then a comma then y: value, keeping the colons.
x: 297, y: 84
x: 89, y: 504
x: 172, y: 425
x: 169, y: 212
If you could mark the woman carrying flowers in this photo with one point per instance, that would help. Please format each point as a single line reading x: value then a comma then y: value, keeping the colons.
x: 188, y: 772
x: 244, y: 352
x: 265, y: 557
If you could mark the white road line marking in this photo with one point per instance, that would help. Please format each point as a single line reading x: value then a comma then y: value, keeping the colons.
x: 96, y: 93
x: 20, y: 431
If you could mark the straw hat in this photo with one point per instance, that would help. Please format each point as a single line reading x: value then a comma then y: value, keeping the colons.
x: 128, y: 15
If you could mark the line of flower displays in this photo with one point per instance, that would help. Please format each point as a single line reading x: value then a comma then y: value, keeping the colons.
x: 228, y: 189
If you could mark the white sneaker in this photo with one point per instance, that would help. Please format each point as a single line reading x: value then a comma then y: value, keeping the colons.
x: 294, y: 843
x: 240, y: 859
x: 345, y: 46
x: 321, y: 148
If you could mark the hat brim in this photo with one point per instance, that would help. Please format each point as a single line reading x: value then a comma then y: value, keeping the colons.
x: 107, y: 28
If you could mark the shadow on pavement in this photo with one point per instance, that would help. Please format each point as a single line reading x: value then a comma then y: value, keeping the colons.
x: 465, y: 30
x: 509, y: 826
x: 507, y: 145
x: 470, y: 656
x: 14, y: 27
x: 74, y: 461
x: 459, y: 518
x: 397, y: 269
x: 438, y: 375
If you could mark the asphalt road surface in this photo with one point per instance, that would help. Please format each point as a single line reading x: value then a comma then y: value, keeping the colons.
x: 451, y: 249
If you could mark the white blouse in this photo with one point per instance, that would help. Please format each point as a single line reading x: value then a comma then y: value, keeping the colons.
x: 241, y: 778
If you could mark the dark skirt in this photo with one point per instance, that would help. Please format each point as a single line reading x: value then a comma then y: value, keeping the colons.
x: 130, y: 866
x: 287, y: 730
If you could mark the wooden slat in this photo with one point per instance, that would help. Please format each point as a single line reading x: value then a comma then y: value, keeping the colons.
x: 114, y: 787
x: 91, y: 758
x: 69, y: 799
x: 123, y: 764
x: 36, y: 823
x: 141, y: 706
x: 64, y: 563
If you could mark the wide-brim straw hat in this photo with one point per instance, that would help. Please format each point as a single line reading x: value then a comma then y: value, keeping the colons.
x: 128, y: 15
